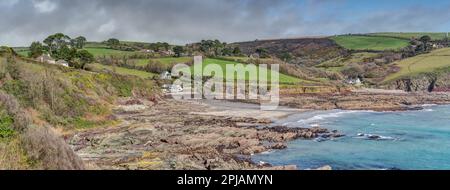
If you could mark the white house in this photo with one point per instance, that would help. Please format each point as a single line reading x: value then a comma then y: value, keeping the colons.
x: 46, y: 58
x: 172, y: 88
x: 352, y: 81
x: 167, y: 53
x: 147, y: 51
x: 166, y: 75
x: 62, y: 63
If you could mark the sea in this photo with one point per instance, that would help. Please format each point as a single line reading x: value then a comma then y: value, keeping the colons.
x: 409, y: 140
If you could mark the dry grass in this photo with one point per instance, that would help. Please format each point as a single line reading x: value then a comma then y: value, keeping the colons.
x: 13, y: 156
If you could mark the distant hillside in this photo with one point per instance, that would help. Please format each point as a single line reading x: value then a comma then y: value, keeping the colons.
x: 307, y: 51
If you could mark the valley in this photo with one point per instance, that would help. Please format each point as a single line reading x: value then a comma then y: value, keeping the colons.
x: 107, y: 109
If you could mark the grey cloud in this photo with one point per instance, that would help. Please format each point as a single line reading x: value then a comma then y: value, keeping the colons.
x: 175, y: 21
x: 185, y: 21
x: 411, y: 18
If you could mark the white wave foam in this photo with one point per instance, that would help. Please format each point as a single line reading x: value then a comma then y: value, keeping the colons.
x: 266, y: 152
x: 322, y: 117
x: 374, y: 137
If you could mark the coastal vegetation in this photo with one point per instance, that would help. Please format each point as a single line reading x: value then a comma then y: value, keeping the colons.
x: 37, y: 98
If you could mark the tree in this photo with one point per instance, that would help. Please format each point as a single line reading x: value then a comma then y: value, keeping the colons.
x: 228, y: 51
x: 66, y: 53
x: 178, y: 50
x: 166, y: 46
x: 425, y: 40
x: 286, y: 56
x: 36, y: 50
x: 56, y: 41
x: 237, y: 51
x: 113, y: 42
x: 212, y: 47
x: 262, y: 52
x: 79, y: 42
x: 81, y: 59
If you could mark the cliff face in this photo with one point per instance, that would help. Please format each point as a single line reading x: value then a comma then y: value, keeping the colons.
x: 436, y: 82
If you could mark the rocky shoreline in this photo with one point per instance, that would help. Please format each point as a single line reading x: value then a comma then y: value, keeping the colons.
x: 366, y: 101
x: 168, y: 135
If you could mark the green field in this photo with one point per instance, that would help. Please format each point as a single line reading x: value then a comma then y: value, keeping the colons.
x: 339, y: 62
x: 166, y: 60
x: 284, y: 79
x: 222, y: 63
x: 376, y: 43
x: 426, y: 63
x: 23, y: 51
x: 95, y: 45
x: 99, y: 52
x: 123, y: 71
x: 409, y: 35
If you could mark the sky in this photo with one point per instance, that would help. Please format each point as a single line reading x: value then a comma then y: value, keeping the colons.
x: 186, y: 21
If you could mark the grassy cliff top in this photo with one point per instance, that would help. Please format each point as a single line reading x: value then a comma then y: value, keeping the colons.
x: 410, y: 35
x: 425, y: 63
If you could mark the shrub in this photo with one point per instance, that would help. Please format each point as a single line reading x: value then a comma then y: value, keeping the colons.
x: 12, y: 68
x: 353, y: 71
x: 50, y: 151
x: 6, y: 123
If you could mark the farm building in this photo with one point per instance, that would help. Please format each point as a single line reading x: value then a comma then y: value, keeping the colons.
x: 62, y: 63
x: 46, y: 58
x: 353, y: 81
x: 147, y: 51
x: 172, y: 88
x: 167, y: 53
x: 166, y: 75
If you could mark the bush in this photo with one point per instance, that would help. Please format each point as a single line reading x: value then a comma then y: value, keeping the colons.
x: 353, y: 71
x: 50, y: 151
x: 12, y: 68
x: 6, y: 123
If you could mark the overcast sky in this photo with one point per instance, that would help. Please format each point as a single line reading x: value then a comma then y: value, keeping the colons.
x: 185, y: 21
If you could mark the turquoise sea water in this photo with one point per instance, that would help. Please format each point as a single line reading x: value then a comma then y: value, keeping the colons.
x: 411, y: 140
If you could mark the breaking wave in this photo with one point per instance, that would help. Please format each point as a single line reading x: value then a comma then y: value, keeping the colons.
x: 322, y: 117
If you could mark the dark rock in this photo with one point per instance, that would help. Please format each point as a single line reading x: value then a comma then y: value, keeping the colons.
x: 278, y: 146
